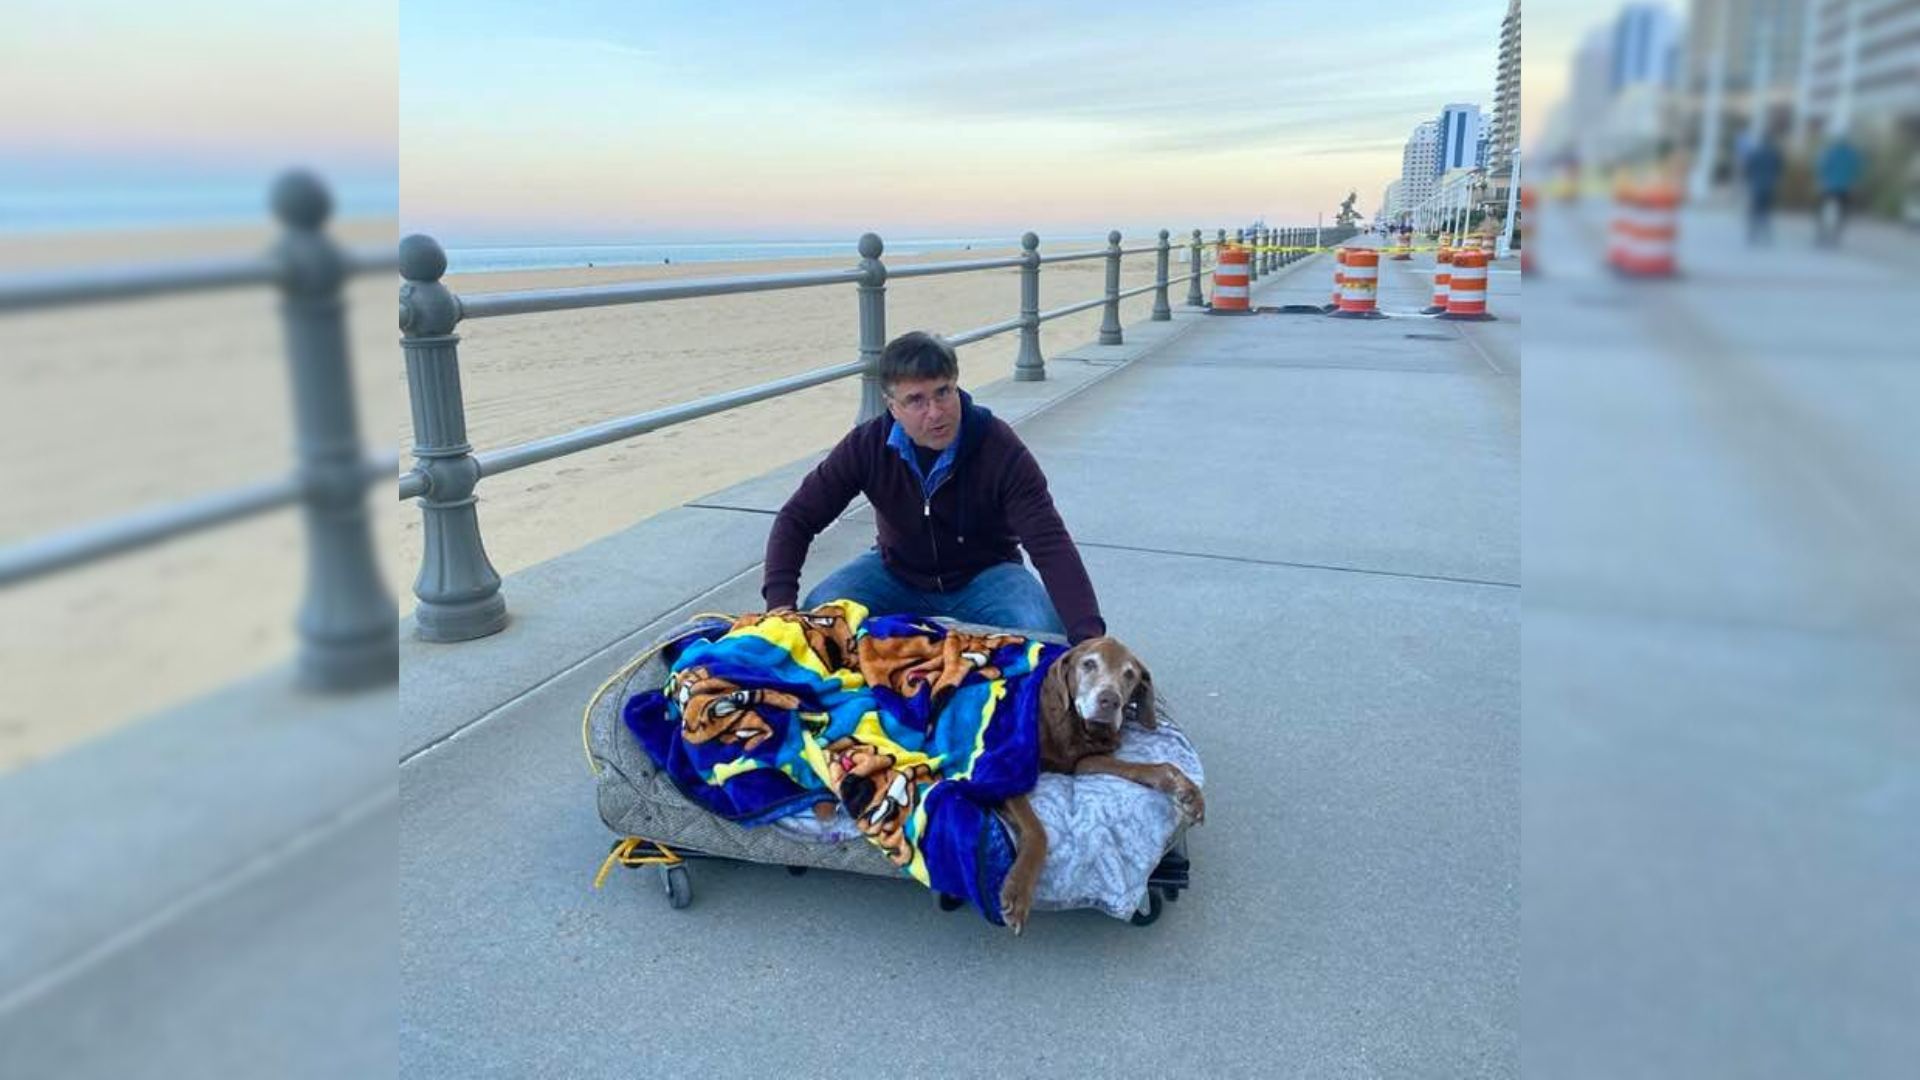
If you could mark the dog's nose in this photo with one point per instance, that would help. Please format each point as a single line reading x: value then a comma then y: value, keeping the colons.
x: 1109, y: 700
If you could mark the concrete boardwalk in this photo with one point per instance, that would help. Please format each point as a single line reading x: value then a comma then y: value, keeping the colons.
x: 1337, y: 503
x: 212, y: 892
x: 1722, y: 768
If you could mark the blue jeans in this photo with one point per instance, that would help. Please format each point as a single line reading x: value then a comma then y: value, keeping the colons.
x: 1006, y: 595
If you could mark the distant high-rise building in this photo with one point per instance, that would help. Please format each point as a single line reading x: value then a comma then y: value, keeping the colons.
x: 1761, y: 64
x: 1764, y: 38
x: 1417, y: 170
x: 1391, y: 203
x: 1863, y: 71
x: 1459, y: 144
x: 1645, y: 48
x: 1632, y: 57
x: 1504, y: 138
x: 1590, y: 94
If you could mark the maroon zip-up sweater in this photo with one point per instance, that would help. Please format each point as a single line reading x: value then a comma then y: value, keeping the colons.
x: 994, y: 499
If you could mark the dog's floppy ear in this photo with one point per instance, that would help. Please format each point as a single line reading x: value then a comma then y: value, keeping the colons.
x: 1140, y: 706
x: 1056, y: 692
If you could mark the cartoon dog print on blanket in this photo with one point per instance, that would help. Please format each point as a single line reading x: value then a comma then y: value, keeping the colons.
x: 713, y: 708
x: 880, y: 797
x: 906, y: 664
x: 829, y: 634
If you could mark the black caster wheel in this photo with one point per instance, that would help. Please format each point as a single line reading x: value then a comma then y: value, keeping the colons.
x: 1147, y: 917
x: 949, y: 903
x: 679, y: 886
x: 796, y: 871
x: 1173, y: 895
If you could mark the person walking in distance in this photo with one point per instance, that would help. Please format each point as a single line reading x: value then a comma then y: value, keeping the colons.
x: 1762, y: 167
x: 1838, y: 173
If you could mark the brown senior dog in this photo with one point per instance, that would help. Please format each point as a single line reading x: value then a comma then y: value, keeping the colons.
x: 1088, y: 693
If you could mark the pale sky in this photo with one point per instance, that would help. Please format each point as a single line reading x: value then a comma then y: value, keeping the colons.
x: 661, y: 119
x: 193, y: 101
x: 673, y: 120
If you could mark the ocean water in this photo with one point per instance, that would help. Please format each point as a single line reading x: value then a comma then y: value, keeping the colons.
x: 93, y: 204
x: 478, y: 260
x: 86, y: 205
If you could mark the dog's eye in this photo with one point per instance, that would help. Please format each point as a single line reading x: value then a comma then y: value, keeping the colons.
x: 1088, y: 664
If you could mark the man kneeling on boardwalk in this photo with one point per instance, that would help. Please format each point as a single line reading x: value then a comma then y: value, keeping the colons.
x: 955, y: 495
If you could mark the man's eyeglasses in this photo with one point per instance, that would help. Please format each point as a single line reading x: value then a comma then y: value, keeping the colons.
x: 918, y: 402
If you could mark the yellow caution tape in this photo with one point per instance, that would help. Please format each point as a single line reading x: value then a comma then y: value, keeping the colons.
x: 1382, y: 250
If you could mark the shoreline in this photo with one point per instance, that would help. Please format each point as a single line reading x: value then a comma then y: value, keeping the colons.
x: 480, y: 259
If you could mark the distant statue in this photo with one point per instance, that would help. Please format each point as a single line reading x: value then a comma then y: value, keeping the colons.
x: 1348, y: 215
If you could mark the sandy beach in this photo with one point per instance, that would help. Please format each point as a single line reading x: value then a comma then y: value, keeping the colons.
x: 538, y: 375
x: 186, y: 396
x: 107, y: 409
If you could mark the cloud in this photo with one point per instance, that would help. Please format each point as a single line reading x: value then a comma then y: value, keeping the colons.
x: 1313, y: 127
x: 1179, y: 76
x: 588, y: 44
x: 1366, y: 146
x: 1171, y: 96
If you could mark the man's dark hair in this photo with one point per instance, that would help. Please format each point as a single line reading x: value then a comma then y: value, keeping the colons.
x: 917, y: 355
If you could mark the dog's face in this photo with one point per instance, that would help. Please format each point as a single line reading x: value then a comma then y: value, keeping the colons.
x: 1108, y: 685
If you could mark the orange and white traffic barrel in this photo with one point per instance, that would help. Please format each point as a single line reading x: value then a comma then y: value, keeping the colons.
x: 1645, y: 231
x: 1403, y: 250
x: 1442, y: 282
x: 1467, y: 287
x: 1230, y: 283
x: 1360, y: 285
x: 1339, y: 268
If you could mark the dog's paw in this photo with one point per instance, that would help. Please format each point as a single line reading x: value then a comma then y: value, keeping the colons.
x: 1016, y: 903
x: 1186, y: 796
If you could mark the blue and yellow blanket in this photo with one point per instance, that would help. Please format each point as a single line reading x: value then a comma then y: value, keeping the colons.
x: 918, y: 731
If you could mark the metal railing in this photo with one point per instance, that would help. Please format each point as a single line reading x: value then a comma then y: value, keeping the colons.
x: 346, y: 620
x: 459, y: 590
